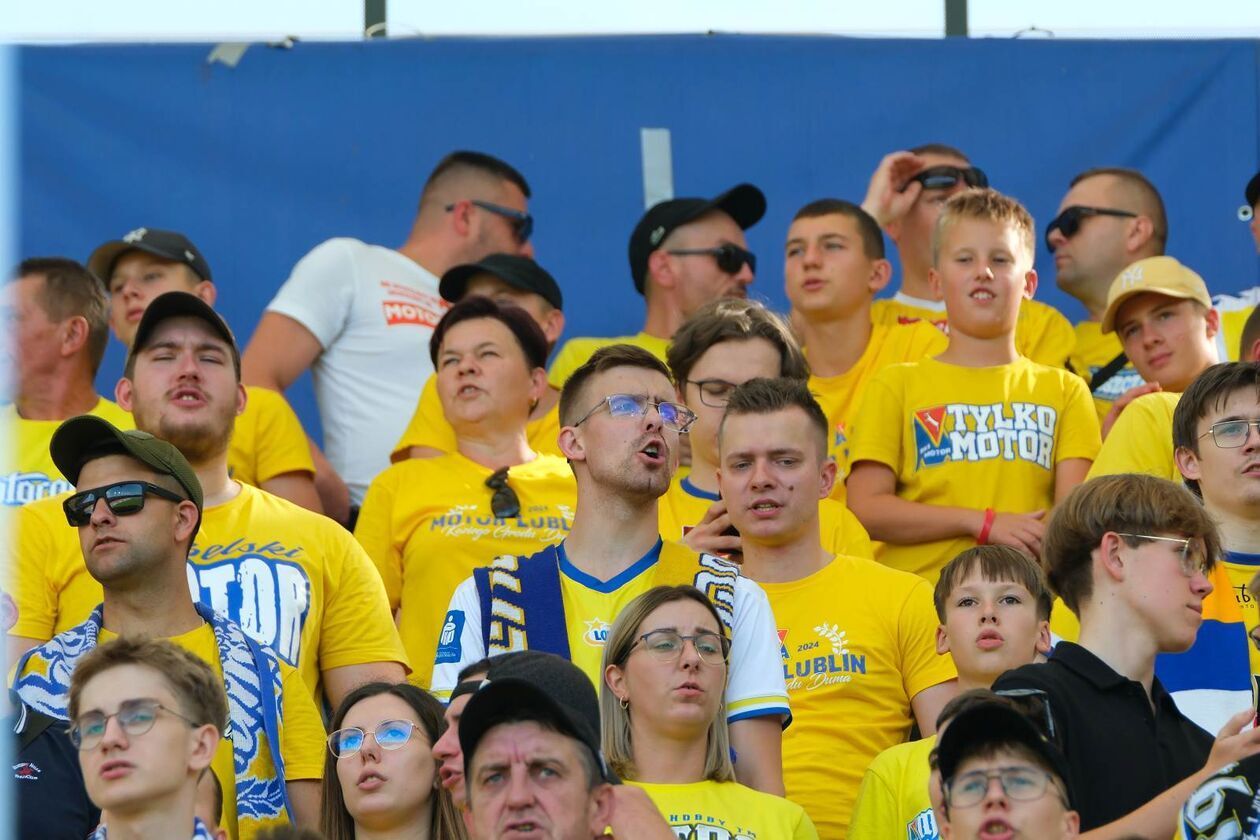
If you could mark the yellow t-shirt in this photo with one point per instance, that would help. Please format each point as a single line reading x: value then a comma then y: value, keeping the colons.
x: 1041, y: 333
x: 1234, y: 311
x: 267, y: 440
x: 972, y: 437
x: 1140, y: 440
x: 292, y: 579
x: 1093, y: 351
x: 1241, y: 568
x: 27, y: 471
x: 428, y: 427
x: 857, y: 641
x: 893, y: 800
x: 427, y: 523
x: 890, y: 344
x: 684, y: 505
x: 574, y: 353
x: 720, y: 810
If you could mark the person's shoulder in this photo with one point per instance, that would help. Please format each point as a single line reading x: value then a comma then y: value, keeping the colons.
x: 1062, y: 378
x: 544, y: 467
x: 1044, y: 313
x: 1159, y: 403
x: 114, y: 413
x: 1044, y: 676
x: 258, y: 505
x: 891, y: 762
x: 46, y: 510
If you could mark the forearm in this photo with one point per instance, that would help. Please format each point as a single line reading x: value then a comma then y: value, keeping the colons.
x: 758, y: 745
x: 1157, y: 819
x: 892, y: 519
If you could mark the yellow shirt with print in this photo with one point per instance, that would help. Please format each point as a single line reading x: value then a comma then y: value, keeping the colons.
x: 890, y: 344
x: 858, y: 643
x: 1140, y: 440
x: 27, y: 471
x: 427, y: 524
x: 974, y: 438
x: 1041, y: 333
x: 1093, y: 351
x: 711, y: 809
x: 428, y: 427
x: 893, y: 799
x: 574, y: 353
x: 684, y: 505
x: 293, y: 580
x: 267, y: 439
x: 1241, y: 568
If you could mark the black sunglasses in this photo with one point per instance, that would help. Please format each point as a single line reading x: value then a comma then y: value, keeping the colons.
x: 505, y: 504
x: 123, y: 499
x: 522, y: 223
x: 945, y: 177
x: 730, y: 258
x: 1069, y: 221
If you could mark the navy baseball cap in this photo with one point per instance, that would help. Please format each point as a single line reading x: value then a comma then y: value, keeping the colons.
x: 167, y: 244
x: 516, y: 271
x: 175, y: 304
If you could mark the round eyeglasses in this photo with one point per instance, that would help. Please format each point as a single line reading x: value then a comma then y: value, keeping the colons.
x: 136, y: 717
x: 388, y: 735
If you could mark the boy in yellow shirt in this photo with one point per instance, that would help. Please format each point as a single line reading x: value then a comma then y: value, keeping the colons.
x: 721, y: 347
x: 944, y: 442
x: 834, y: 266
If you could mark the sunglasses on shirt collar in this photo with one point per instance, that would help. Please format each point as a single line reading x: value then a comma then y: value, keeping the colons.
x: 504, y: 503
x: 946, y: 177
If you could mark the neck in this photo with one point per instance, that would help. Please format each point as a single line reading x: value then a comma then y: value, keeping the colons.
x: 972, y: 681
x: 610, y: 532
x: 793, y: 559
x: 836, y: 344
x: 1107, y: 631
x: 1093, y: 296
x: 217, y: 487
x: 494, y: 448
x: 150, y: 610
x: 424, y: 252
x: 1241, y: 534
x: 57, y: 396
x: 665, y: 760
x: 703, y: 474
x: 969, y: 351
x: 414, y: 828
x: 663, y: 319
x: 914, y: 277
x: 170, y: 816
x: 547, y: 402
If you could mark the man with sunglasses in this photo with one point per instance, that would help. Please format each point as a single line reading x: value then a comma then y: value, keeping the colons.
x: 684, y: 253
x: 350, y: 311
x: 621, y: 432
x: 905, y: 196
x: 138, y: 508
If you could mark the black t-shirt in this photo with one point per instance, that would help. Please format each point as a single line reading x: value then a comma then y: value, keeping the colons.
x: 52, y: 803
x: 1225, y: 805
x: 1122, y: 749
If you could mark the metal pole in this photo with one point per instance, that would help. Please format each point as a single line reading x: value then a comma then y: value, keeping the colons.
x: 374, y: 18
x: 955, y: 18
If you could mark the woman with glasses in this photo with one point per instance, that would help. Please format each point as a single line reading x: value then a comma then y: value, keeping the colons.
x: 380, y: 776
x: 428, y: 522
x: 664, y: 721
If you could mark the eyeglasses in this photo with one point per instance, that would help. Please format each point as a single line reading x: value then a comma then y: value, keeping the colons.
x: 667, y: 645
x: 1193, y: 555
x: 715, y: 393
x: 1069, y: 221
x: 674, y: 416
x: 123, y: 499
x: 1231, y: 434
x: 945, y: 177
x: 136, y: 717
x: 730, y: 258
x: 504, y: 504
x: 522, y: 223
x: 388, y: 735
x: 1022, y: 784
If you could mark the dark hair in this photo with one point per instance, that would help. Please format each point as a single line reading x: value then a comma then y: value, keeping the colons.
x: 481, y: 666
x: 768, y: 396
x: 526, y: 330
x: 288, y: 832
x: 603, y: 359
x: 940, y: 149
x: 1129, y: 502
x: 1146, y: 198
x: 335, y: 820
x: 997, y: 564
x: 1250, y: 335
x: 1209, y: 390
x: 465, y: 162
x: 868, y: 228
x: 733, y: 319
x: 70, y: 290
x: 217, y: 788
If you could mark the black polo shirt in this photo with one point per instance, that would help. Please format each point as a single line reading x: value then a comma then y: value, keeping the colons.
x: 52, y: 803
x: 1122, y: 749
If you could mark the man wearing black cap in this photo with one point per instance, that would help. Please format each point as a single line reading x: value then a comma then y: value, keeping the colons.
x: 136, y: 514
x: 268, y: 449
x: 509, y: 280
x: 684, y: 253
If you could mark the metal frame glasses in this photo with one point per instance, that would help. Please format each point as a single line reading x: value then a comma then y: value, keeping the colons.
x: 1190, y: 562
x: 715, y: 393
x: 522, y: 223
x: 136, y: 717
x: 123, y: 499
x: 675, y: 416
x: 388, y: 735
x: 1231, y: 434
x: 504, y: 503
x: 1021, y: 784
x: 667, y: 645
x: 730, y: 258
x: 1069, y: 221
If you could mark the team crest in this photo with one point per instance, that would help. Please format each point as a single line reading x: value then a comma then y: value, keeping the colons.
x: 929, y: 431
x: 596, y: 634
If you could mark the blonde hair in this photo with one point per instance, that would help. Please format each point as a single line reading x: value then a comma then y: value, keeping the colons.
x: 615, y: 732
x: 985, y: 205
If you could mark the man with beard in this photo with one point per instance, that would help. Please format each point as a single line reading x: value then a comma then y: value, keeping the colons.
x: 620, y: 432
x: 294, y: 580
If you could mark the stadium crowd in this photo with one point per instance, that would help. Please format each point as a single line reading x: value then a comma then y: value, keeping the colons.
x: 934, y: 565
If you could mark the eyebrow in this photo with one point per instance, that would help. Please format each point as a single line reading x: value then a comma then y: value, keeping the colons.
x: 478, y: 346
x: 773, y: 453
x: 168, y: 344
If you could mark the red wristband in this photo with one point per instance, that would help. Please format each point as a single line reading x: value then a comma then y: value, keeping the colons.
x: 983, y: 537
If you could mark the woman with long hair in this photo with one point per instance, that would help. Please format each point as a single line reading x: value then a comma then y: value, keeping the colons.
x: 380, y: 776
x: 664, y: 720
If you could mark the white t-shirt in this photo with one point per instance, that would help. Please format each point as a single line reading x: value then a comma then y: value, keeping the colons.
x: 373, y: 311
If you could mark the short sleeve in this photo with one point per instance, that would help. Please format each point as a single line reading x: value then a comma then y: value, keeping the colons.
x: 755, y: 687
x: 875, y: 809
x: 375, y: 533
x: 1048, y: 338
x: 1140, y: 441
x: 32, y: 549
x: 465, y: 645
x: 805, y: 829
x: 280, y: 444
x: 921, y: 666
x: 320, y: 290
x: 849, y: 537
x: 302, y: 735
x: 428, y: 426
x: 358, y: 624
x: 1079, y: 435
x: 877, y: 430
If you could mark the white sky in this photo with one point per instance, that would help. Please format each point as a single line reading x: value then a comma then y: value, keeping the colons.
x: 60, y: 20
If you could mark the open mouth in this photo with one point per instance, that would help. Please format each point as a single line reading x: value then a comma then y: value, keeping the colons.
x: 188, y: 396
x: 982, y: 295
x: 996, y: 830
x: 655, y: 451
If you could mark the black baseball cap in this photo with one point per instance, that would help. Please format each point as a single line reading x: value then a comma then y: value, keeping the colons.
x: 744, y: 203
x: 534, y: 686
x: 1253, y: 190
x: 518, y: 272
x: 167, y: 244
x: 173, y: 304
x: 991, y: 724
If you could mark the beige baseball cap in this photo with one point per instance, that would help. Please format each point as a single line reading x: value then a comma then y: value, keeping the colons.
x: 1157, y: 275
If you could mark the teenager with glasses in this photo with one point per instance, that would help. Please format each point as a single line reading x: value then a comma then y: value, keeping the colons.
x: 428, y: 523
x: 905, y: 197
x: 350, y: 311
x: 621, y: 434
x: 663, y: 724
x: 380, y: 775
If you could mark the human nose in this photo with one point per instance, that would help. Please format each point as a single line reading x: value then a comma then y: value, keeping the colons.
x: 1252, y: 441
x: 369, y: 750
x: 995, y: 792
x: 444, y: 747
x: 101, y: 514
x: 762, y: 475
x: 519, y: 791
x: 114, y: 736
x: 745, y: 274
x: 527, y: 249
x: 1055, y: 239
